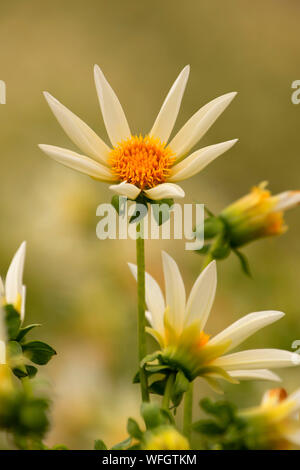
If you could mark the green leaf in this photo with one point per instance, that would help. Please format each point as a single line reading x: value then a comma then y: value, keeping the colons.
x: 12, y: 321
x: 224, y: 411
x: 244, y: 262
x: 208, y: 427
x: 181, y: 386
x: 60, y: 447
x: 99, y: 445
x: 161, y: 210
x: 133, y: 429
x: 38, y: 352
x: 213, y: 226
x: 23, y: 331
x: 122, y: 445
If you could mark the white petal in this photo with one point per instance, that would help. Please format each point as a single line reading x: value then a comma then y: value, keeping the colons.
x: 164, y: 191
x: 256, y: 374
x: 23, y: 301
x: 175, y: 291
x: 287, y: 200
x: 240, y: 330
x: 199, y: 124
x: 148, y: 315
x: 114, y: 118
x: 168, y: 113
x: 78, y: 131
x: 126, y: 189
x: 14, y: 277
x: 196, y: 162
x: 154, y: 299
x: 257, y: 359
x: 78, y: 162
x: 202, y: 296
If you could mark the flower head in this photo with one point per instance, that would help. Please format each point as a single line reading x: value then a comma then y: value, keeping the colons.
x: 179, y: 326
x: 165, y: 438
x: 13, y: 292
x: 258, y: 214
x: 276, y: 419
x: 147, y: 164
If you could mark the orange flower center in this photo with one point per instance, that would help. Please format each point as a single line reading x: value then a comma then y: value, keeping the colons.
x: 142, y: 161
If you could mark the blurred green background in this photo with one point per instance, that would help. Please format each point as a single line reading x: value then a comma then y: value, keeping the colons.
x: 79, y: 287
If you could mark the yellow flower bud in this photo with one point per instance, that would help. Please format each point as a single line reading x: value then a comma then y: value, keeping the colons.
x: 258, y: 214
x: 166, y: 438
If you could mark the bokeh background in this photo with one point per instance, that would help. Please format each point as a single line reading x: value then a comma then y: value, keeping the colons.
x: 79, y: 287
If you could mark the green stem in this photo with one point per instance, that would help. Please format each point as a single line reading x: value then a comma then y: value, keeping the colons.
x: 188, y: 411
x: 140, y: 260
x: 168, y: 390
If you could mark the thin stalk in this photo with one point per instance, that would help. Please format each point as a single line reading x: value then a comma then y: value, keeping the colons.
x: 168, y: 390
x: 140, y: 261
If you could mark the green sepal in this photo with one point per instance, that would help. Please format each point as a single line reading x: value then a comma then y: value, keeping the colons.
x: 138, y: 216
x: 12, y: 321
x: 204, y: 250
x: 38, y: 352
x: 158, y: 387
x: 151, y: 369
x: 213, y: 226
x: 180, y: 386
x: 133, y: 429
x: 150, y: 358
x: 244, y: 262
x: 24, y: 331
x: 162, y: 216
x: 115, y: 202
x: 99, y: 445
x: 31, y: 371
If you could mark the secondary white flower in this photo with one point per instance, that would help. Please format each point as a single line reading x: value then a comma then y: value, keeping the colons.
x: 276, y: 420
x: 13, y: 292
x: 178, y: 326
x: 147, y: 164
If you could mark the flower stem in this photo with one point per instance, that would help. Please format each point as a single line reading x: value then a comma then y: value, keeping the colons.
x: 188, y: 411
x: 168, y: 390
x: 140, y: 260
